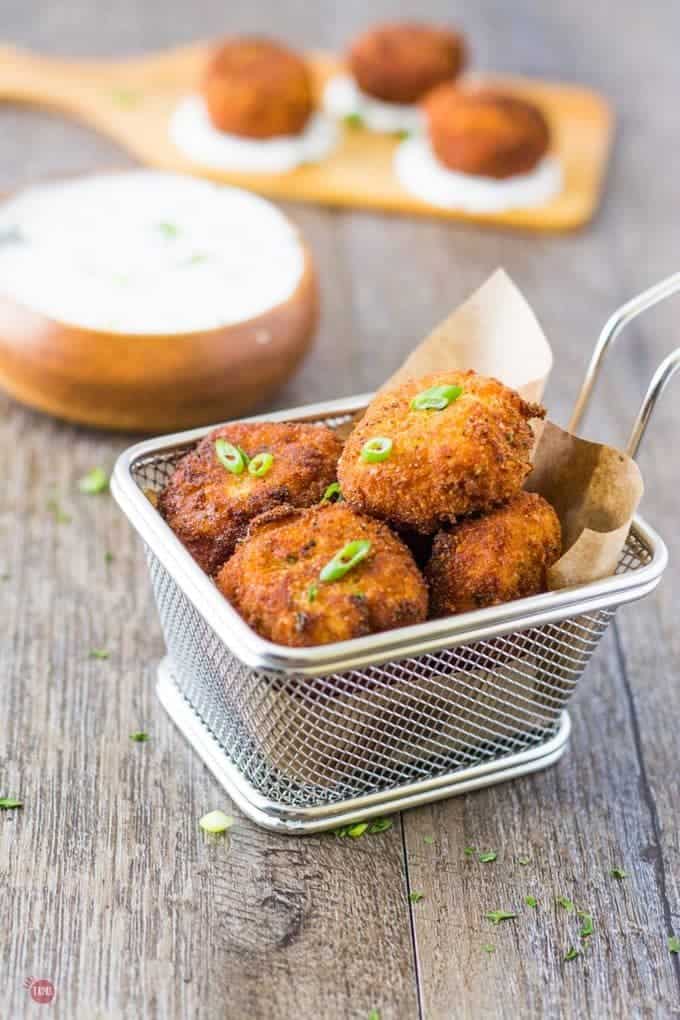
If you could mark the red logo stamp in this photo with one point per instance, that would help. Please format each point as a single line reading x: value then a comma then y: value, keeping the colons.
x: 41, y: 989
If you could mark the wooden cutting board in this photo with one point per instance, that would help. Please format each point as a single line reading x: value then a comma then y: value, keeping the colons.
x: 132, y: 100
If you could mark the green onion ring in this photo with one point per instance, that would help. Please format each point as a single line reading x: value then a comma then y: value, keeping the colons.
x: 260, y: 464
x: 332, y: 490
x: 345, y: 559
x: 376, y: 449
x: 230, y: 456
x: 436, y: 398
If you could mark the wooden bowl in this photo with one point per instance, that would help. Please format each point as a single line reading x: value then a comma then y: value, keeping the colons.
x: 154, y: 383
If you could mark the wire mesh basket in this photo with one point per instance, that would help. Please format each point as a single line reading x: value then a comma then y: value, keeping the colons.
x: 306, y: 739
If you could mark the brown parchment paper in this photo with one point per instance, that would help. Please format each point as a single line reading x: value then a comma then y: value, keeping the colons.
x: 495, y: 332
x: 595, y: 489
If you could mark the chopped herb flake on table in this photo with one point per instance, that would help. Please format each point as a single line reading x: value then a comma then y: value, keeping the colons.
x: 523, y: 861
x: 673, y: 944
x: 216, y: 821
x: 469, y: 851
x: 60, y: 516
x: 380, y: 825
x: 587, y: 925
x: 531, y: 901
x: 429, y: 840
x: 488, y: 857
x: 99, y: 653
x: 357, y: 830
x: 416, y: 897
x: 496, y: 916
x: 572, y: 953
x: 140, y: 737
x: 618, y: 873
x: 563, y: 901
x: 488, y: 948
x: 94, y: 482
x: 9, y: 803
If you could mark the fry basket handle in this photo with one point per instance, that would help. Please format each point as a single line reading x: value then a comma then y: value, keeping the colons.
x: 663, y: 375
x: 615, y: 325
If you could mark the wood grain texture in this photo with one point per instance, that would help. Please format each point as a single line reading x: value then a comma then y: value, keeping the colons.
x: 132, y: 101
x: 106, y: 885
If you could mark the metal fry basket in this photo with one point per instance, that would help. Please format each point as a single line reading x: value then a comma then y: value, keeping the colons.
x: 309, y: 739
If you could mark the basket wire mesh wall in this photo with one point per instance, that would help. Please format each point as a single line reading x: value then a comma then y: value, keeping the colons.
x: 304, y: 742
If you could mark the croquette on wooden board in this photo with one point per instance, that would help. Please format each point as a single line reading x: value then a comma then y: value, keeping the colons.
x: 132, y: 101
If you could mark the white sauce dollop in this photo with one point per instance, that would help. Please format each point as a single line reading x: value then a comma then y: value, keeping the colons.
x: 422, y: 175
x: 146, y: 252
x: 342, y: 98
x: 194, y: 134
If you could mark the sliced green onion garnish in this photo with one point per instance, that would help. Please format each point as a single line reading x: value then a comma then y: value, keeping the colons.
x: 216, y: 821
x: 230, y: 456
x: 344, y: 560
x: 436, y: 398
x: 376, y: 449
x: 332, y: 493
x: 260, y: 464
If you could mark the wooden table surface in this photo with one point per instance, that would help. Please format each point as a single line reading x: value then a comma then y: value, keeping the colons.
x: 107, y: 887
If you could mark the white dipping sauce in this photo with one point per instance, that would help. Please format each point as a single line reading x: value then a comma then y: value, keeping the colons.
x: 342, y: 98
x: 146, y: 252
x: 421, y: 174
x: 195, y: 135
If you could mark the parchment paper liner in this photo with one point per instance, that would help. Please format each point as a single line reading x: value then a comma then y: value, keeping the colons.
x: 319, y: 731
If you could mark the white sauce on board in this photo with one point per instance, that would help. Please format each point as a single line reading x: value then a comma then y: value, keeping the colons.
x: 421, y: 174
x: 194, y: 134
x: 146, y: 252
x: 342, y: 98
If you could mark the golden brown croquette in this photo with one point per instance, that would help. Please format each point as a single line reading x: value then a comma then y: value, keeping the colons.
x: 470, y: 455
x: 209, y: 508
x: 481, y: 131
x: 257, y: 88
x: 497, y: 557
x: 400, y: 62
x: 275, y: 577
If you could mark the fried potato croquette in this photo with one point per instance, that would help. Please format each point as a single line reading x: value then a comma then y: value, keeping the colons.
x: 470, y: 455
x: 275, y: 578
x: 484, y: 132
x: 257, y: 88
x: 501, y: 556
x: 400, y: 62
x: 209, y: 507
